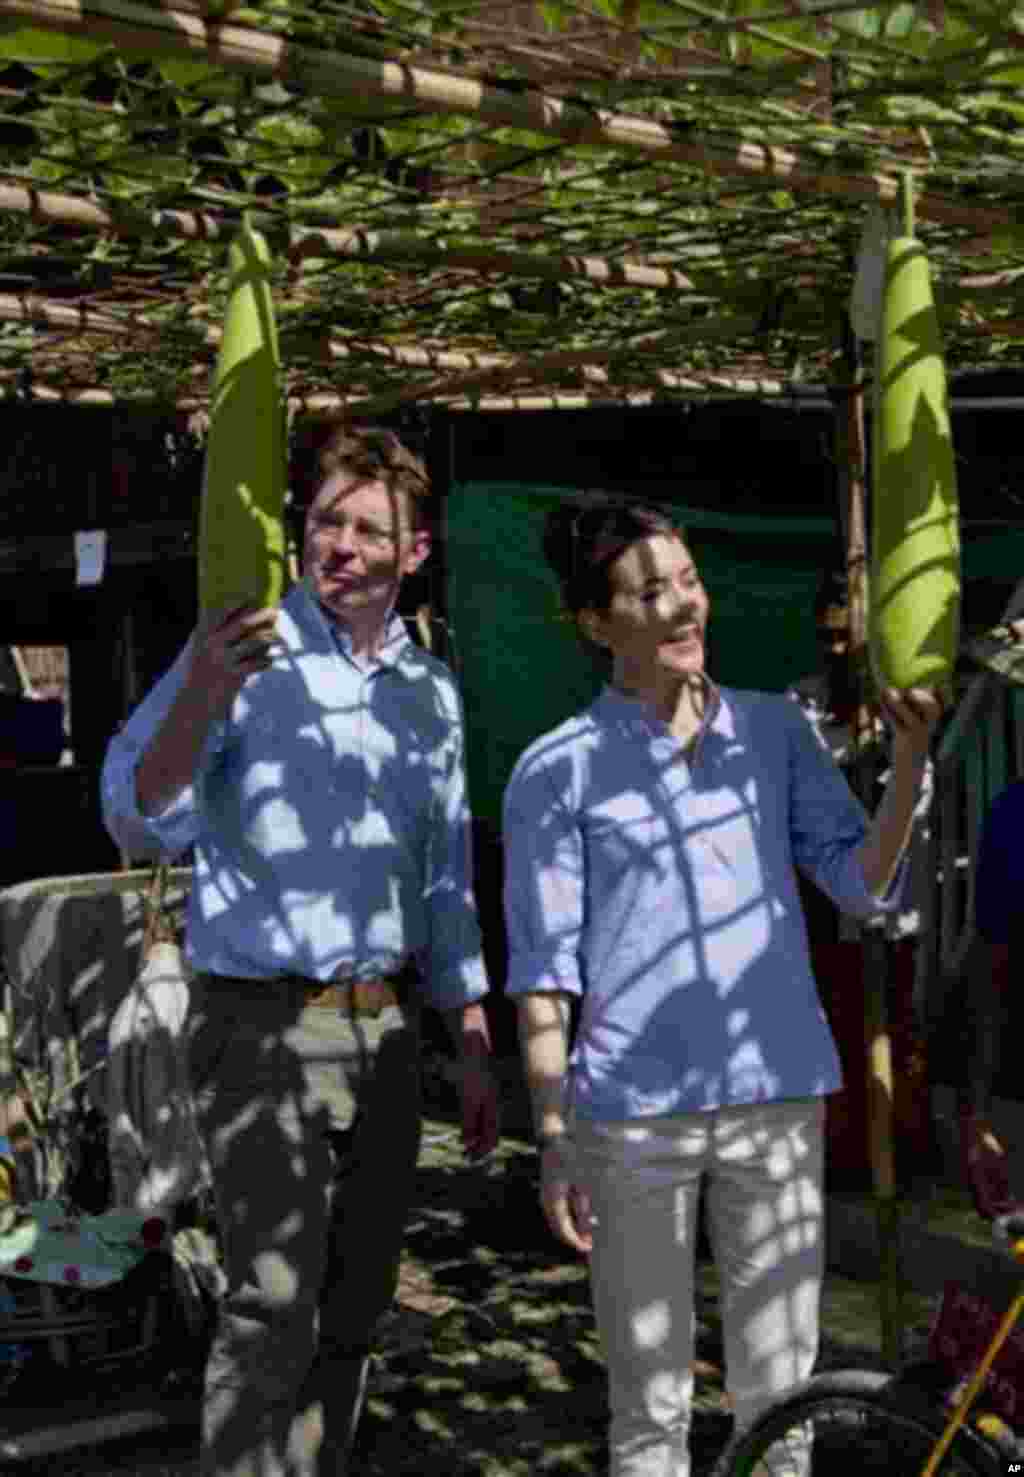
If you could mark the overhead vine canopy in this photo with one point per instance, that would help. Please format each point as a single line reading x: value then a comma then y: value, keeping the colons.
x: 480, y: 202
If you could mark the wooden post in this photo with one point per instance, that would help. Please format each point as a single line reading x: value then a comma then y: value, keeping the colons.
x: 440, y: 459
x: 851, y: 463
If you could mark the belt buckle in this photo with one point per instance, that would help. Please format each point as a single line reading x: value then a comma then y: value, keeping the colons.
x: 373, y: 994
x: 319, y: 994
x: 365, y: 997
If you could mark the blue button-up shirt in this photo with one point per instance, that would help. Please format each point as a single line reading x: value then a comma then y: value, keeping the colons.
x: 660, y: 885
x: 328, y: 814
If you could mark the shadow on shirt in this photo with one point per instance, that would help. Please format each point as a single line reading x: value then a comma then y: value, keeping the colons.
x: 666, y: 893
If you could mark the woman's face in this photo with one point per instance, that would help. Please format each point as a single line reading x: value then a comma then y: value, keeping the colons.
x: 654, y: 625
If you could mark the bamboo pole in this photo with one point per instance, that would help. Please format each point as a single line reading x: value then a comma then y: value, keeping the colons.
x: 398, y: 246
x: 48, y: 207
x: 477, y: 370
x: 328, y: 406
x: 16, y: 308
x: 481, y: 369
x: 473, y: 370
x: 851, y: 462
x: 875, y: 951
x: 141, y: 29
x: 708, y: 387
x: 468, y: 389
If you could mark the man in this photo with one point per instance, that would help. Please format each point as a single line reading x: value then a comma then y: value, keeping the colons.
x: 314, y: 761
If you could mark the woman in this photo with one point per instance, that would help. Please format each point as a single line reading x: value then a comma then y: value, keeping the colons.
x: 652, y: 848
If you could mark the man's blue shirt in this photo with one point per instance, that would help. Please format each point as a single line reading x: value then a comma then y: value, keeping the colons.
x: 328, y: 816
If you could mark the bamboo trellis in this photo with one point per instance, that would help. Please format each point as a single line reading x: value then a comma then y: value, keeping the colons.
x: 521, y: 207
x: 493, y: 203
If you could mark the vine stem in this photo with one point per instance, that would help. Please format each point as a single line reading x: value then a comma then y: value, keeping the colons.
x: 907, y: 201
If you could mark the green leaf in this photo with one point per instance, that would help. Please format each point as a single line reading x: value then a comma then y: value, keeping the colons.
x: 1008, y: 240
x: 552, y: 14
x: 289, y: 132
x: 33, y: 47
x: 187, y: 74
x: 915, y: 109
x: 169, y: 169
x: 901, y: 21
x: 863, y: 23
x: 1004, y: 67
x: 995, y: 102
x: 354, y: 43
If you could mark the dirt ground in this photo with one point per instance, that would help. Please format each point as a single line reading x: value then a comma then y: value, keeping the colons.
x: 489, y: 1365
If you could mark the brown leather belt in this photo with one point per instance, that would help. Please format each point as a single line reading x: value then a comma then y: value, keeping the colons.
x: 366, y: 997
x: 355, y: 997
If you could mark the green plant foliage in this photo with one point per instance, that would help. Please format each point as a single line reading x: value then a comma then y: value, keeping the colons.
x: 848, y: 94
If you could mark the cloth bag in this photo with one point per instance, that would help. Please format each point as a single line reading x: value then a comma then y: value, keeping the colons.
x: 156, y: 1157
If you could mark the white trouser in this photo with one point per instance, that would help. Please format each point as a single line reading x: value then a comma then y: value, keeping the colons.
x: 763, y: 1170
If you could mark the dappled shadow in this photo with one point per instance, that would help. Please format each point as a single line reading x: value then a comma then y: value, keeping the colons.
x: 329, y: 806
x: 491, y: 1364
x: 920, y: 471
x: 70, y: 952
x: 488, y: 1365
x: 332, y: 806
x: 675, y: 886
x: 298, y: 803
x: 661, y: 885
x: 917, y: 534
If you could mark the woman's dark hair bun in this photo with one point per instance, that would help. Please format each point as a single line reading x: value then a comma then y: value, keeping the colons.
x: 586, y: 533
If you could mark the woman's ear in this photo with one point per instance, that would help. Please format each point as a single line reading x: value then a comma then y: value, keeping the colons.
x: 592, y: 626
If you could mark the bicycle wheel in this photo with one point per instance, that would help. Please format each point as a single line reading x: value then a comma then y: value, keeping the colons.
x: 853, y: 1423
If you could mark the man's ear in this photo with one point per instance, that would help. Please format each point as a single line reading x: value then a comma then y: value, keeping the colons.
x: 418, y: 552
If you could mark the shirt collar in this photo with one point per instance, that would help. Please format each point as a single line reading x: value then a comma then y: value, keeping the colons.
x: 634, y: 716
x: 394, y: 649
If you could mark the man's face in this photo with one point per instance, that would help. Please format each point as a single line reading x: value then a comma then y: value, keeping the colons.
x: 360, y: 545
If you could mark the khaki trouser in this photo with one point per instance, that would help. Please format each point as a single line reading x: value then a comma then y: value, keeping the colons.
x: 311, y: 1123
x: 762, y: 1167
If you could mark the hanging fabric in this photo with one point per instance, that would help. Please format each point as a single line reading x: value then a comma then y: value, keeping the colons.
x: 155, y: 1152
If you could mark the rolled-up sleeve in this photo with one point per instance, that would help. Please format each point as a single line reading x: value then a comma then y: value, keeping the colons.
x: 174, y: 829
x: 544, y: 895
x: 828, y: 825
x: 455, y: 973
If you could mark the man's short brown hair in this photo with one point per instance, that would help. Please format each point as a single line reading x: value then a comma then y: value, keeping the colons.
x: 375, y: 454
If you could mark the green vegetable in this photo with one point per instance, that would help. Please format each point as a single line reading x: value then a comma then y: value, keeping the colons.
x: 241, y: 528
x: 915, y: 596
